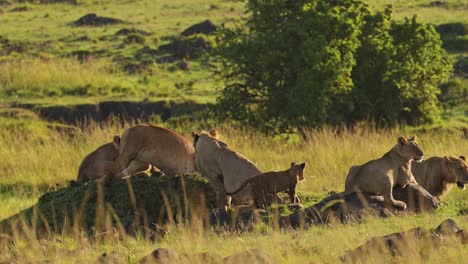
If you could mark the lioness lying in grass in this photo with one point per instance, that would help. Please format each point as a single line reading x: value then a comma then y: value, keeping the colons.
x: 269, y: 183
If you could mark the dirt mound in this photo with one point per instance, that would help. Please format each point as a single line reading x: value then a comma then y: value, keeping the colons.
x: 95, y: 21
x: 457, y: 29
x: 187, y: 48
x: 123, y: 205
x: 205, y: 27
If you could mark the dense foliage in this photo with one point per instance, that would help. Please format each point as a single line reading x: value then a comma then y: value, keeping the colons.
x: 309, y: 62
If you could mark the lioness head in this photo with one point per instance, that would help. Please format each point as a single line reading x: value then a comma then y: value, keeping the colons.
x: 297, y: 170
x: 409, y: 149
x: 458, y: 169
x: 213, y: 134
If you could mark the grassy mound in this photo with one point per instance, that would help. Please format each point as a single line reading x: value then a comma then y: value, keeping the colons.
x: 125, y: 204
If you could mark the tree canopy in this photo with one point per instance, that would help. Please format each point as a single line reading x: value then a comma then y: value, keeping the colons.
x: 300, y: 63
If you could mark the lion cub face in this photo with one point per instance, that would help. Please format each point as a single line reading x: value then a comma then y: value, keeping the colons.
x: 297, y: 170
x: 459, y: 169
x: 409, y: 149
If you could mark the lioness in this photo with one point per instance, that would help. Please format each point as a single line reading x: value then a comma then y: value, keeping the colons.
x: 99, y: 162
x: 438, y: 174
x: 381, y: 175
x: 270, y: 183
x: 143, y: 144
x: 225, y: 169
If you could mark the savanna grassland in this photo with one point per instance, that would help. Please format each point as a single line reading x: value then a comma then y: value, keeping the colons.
x: 46, y: 61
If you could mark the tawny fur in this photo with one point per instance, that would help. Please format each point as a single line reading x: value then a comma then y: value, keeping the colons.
x: 165, y: 149
x: 381, y: 175
x: 224, y: 168
x: 438, y: 174
x: 268, y: 184
x: 99, y: 162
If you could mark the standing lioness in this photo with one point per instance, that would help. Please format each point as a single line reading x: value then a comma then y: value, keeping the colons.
x: 381, y: 175
x: 225, y: 168
x: 146, y: 144
x: 270, y: 183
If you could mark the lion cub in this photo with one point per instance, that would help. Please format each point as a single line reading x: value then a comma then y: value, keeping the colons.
x: 270, y: 183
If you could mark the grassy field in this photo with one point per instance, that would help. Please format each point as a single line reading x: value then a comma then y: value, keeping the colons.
x: 64, y: 60
x: 35, y: 159
x: 40, y: 64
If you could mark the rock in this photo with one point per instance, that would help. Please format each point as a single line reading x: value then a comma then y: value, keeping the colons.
x: 253, y: 256
x: 416, y: 242
x: 162, y: 256
x: 352, y: 207
x: 94, y: 20
x: 396, y: 244
x: 205, y: 27
x: 448, y: 228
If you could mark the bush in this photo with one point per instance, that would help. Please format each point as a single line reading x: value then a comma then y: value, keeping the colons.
x: 309, y: 62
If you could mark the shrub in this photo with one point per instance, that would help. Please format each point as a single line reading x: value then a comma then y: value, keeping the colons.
x: 306, y: 63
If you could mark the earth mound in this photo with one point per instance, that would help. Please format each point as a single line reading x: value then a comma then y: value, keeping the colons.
x: 125, y: 205
x: 205, y: 27
x: 94, y: 20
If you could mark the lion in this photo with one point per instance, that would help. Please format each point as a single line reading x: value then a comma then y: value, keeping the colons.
x: 270, y: 183
x: 438, y: 174
x: 381, y: 175
x: 224, y: 168
x: 160, y: 147
x: 101, y: 162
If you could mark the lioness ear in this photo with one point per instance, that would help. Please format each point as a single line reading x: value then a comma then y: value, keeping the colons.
x: 302, y: 165
x: 116, y: 141
x: 402, y: 140
x: 293, y: 164
x: 413, y: 138
x: 214, y: 133
x: 463, y: 158
x: 194, y: 134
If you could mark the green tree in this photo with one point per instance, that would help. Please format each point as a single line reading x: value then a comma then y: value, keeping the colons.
x: 309, y: 62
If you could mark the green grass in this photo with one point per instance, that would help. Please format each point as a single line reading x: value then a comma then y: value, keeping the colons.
x: 47, y: 43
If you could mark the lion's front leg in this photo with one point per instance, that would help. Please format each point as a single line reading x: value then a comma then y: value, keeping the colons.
x: 395, y: 203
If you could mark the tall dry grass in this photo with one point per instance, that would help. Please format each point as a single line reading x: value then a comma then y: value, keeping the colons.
x: 36, y: 156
